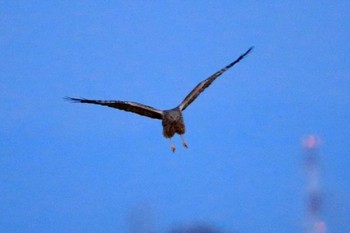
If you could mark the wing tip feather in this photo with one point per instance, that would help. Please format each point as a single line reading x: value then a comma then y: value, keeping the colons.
x: 73, y: 100
x: 247, y: 52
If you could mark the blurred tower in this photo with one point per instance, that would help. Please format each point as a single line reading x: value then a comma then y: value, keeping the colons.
x: 313, y: 188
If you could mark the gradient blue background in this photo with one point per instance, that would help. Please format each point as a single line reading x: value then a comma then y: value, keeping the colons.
x: 81, y: 168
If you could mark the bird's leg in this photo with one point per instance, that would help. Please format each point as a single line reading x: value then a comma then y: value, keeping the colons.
x: 183, y: 141
x: 172, y: 145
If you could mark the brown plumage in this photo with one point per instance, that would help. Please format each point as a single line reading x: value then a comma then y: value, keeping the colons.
x: 172, y: 120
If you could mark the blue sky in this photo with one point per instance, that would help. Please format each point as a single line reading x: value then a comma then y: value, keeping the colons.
x: 80, y: 168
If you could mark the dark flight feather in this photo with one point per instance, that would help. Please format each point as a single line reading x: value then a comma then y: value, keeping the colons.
x: 206, y: 83
x: 128, y: 106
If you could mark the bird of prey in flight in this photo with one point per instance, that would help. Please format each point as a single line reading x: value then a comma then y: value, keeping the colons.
x: 172, y: 120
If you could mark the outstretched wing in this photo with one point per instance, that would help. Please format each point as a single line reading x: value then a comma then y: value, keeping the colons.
x: 204, y: 84
x: 128, y: 106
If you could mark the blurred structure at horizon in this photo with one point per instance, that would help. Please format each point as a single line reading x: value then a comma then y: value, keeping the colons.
x: 142, y: 219
x: 196, y: 228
